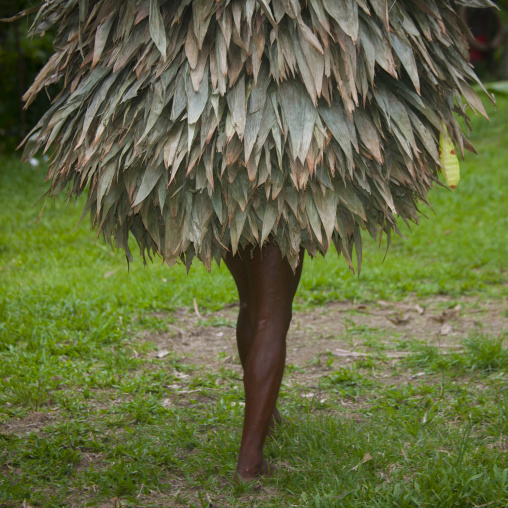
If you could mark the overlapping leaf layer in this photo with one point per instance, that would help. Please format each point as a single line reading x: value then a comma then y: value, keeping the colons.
x: 205, y: 125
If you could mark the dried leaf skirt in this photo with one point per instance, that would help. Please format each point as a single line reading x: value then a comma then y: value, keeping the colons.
x: 207, y: 125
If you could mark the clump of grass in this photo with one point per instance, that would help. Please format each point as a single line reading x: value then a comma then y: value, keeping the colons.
x: 431, y: 358
x: 481, y: 354
x: 346, y: 381
x: 486, y: 354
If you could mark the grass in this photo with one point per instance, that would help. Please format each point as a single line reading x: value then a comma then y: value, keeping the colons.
x: 89, y: 413
x: 482, y: 353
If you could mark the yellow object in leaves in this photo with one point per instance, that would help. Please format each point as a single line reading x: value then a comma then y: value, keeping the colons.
x: 449, y: 160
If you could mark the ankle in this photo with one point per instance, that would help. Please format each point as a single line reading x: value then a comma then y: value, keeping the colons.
x: 251, y: 470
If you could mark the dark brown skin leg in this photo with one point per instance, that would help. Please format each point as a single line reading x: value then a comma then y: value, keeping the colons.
x: 244, y: 334
x: 237, y: 268
x: 268, y: 285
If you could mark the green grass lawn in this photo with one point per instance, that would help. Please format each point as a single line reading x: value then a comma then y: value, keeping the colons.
x: 74, y: 362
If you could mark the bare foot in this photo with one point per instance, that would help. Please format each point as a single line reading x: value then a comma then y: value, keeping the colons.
x: 249, y: 473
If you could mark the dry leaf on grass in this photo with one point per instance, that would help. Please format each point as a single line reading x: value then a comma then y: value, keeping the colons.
x: 366, y: 458
x: 446, y: 329
x: 417, y: 308
x: 448, y: 314
x: 397, y: 354
x: 110, y: 273
x: 398, y: 319
x: 345, y: 353
x: 196, y: 309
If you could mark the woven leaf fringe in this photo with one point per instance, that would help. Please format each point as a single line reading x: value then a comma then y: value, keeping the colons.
x: 207, y: 125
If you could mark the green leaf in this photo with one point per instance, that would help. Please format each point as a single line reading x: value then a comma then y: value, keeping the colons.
x: 157, y: 28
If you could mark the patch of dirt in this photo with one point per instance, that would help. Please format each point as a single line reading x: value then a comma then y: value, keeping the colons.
x: 343, y: 329
x: 32, y: 422
x: 96, y: 460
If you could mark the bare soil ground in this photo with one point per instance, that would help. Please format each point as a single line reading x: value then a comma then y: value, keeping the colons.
x: 339, y: 329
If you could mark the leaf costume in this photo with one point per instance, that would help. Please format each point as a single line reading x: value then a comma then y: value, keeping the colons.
x: 203, y: 125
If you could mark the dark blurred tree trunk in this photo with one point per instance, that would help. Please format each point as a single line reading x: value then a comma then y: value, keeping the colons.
x: 21, y: 80
x: 20, y: 61
x: 503, y: 61
x: 4, y: 45
x: 502, y: 69
x: 488, y: 45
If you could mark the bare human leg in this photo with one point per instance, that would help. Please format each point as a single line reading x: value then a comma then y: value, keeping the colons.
x: 244, y: 333
x: 268, y: 285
